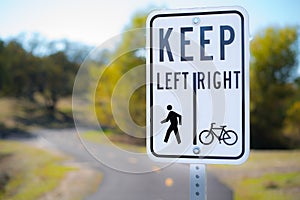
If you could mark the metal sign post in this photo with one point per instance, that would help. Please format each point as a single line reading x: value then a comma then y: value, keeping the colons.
x: 197, y: 182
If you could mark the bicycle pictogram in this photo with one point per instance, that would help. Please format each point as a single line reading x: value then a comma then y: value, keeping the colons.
x: 229, y: 137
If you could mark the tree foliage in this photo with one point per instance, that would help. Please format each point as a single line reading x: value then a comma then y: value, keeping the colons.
x: 58, y: 75
x: 273, y: 65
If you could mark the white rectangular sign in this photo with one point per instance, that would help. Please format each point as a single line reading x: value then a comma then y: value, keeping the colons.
x: 198, y: 85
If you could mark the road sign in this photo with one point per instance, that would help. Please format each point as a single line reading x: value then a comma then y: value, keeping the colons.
x: 198, y: 85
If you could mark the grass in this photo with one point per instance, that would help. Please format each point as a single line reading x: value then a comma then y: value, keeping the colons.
x: 277, y: 186
x: 272, y: 175
x: 27, y: 172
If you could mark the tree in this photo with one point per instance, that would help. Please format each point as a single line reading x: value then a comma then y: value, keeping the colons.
x: 56, y: 78
x: 273, y: 63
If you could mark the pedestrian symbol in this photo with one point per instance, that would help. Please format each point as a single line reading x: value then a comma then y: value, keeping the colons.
x: 172, y: 117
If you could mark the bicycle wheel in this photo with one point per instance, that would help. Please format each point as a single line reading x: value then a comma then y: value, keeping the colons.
x: 230, y: 137
x: 206, y: 137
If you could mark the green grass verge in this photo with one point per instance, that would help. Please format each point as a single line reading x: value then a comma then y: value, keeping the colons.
x: 27, y: 172
x: 278, y: 186
x: 273, y: 175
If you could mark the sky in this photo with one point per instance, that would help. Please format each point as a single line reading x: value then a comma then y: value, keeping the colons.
x: 94, y: 21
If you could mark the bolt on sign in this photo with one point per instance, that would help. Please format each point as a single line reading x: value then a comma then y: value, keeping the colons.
x: 198, y: 85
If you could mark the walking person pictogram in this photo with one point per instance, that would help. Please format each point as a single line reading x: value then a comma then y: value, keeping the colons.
x: 172, y: 117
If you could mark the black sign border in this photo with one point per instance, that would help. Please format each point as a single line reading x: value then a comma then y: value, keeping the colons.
x: 243, y: 84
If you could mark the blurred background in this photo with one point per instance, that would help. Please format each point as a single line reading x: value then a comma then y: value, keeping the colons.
x: 44, y: 43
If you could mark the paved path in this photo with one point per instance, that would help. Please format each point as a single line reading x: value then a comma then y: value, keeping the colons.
x: 129, y: 176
